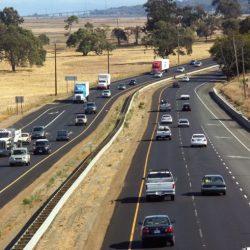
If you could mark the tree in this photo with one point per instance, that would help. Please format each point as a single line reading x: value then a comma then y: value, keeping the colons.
x: 120, y: 35
x: 227, y: 8
x: 86, y: 40
x: 69, y: 23
x: 20, y: 47
x: 244, y: 25
x: 160, y: 10
x: 137, y: 30
x: 9, y: 16
x: 44, y: 40
x: 230, y: 26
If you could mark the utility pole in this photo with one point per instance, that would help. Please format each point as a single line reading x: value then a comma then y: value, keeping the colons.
x: 236, y: 60
x: 108, y: 61
x: 55, y: 72
x: 244, y: 73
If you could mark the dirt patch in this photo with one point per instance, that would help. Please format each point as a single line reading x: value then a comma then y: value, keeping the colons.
x: 84, y: 219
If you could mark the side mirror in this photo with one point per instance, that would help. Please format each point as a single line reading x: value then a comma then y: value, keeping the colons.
x: 140, y: 223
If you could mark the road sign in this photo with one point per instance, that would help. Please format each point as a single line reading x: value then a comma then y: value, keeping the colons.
x: 70, y: 78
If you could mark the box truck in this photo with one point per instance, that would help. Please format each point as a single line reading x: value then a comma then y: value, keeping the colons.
x: 81, y: 92
x: 103, y: 81
x: 160, y: 65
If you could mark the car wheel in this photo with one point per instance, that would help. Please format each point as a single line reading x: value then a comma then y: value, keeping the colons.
x: 172, y: 197
x: 224, y: 192
x: 144, y: 243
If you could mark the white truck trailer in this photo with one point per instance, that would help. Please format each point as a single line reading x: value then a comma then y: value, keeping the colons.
x: 104, y: 81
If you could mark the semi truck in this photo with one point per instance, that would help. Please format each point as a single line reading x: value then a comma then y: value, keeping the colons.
x: 160, y: 65
x: 81, y: 92
x: 103, y: 81
x: 8, y: 139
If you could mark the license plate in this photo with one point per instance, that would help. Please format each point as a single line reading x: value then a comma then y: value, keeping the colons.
x: 156, y: 231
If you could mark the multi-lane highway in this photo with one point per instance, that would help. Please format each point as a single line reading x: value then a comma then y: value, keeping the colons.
x: 58, y: 116
x: 201, y: 222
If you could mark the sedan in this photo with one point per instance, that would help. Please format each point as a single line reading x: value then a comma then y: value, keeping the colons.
x: 158, y: 74
x: 62, y: 135
x: 198, y: 140
x: 184, y: 97
x: 132, y: 82
x: 165, y: 119
x: 106, y: 93
x: 183, y: 122
x: 122, y: 86
x: 198, y: 64
x: 185, y: 79
x: 157, y: 227
x: 186, y: 107
x: 213, y: 184
x: 192, y: 62
x: 180, y: 69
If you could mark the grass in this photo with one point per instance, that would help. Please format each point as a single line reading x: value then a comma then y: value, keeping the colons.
x: 37, y: 84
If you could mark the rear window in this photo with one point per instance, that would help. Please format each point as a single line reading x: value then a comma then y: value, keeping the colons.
x: 159, y: 175
x: 156, y: 221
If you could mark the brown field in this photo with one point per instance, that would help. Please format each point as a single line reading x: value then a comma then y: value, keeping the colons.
x: 37, y: 84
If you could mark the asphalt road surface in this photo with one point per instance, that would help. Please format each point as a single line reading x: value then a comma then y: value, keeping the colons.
x: 201, y: 222
x: 58, y: 116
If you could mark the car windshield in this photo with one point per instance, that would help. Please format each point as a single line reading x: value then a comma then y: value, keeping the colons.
x: 62, y: 132
x: 159, y: 175
x: 183, y: 121
x: 42, y: 143
x: 212, y: 179
x: 24, y: 135
x: 19, y: 152
x: 90, y: 104
x: 198, y: 136
x: 4, y: 134
x: 38, y: 129
x: 80, y: 116
x: 156, y: 221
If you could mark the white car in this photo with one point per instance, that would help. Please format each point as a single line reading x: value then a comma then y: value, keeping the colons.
x: 198, y: 140
x: 25, y: 138
x: 19, y: 156
x: 183, y: 122
x: 198, y: 64
x: 81, y: 119
x: 180, y: 69
x: 184, y: 97
x: 158, y: 74
x: 106, y: 93
x: 185, y: 79
x: 165, y: 119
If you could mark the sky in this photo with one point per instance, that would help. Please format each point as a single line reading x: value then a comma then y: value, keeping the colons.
x: 29, y: 7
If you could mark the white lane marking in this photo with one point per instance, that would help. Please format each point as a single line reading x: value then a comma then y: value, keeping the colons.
x: 238, y: 157
x: 195, y: 90
x: 223, y: 137
x: 200, y: 232
x: 54, y: 119
x: 53, y: 113
x: 212, y: 124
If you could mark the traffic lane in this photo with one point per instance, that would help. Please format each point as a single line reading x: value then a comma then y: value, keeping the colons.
x: 222, y: 211
x: 118, y: 232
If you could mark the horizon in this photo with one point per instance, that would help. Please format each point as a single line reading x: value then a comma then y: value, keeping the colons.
x: 28, y: 7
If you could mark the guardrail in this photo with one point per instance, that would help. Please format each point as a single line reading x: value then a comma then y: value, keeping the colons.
x: 230, y: 110
x: 34, y: 229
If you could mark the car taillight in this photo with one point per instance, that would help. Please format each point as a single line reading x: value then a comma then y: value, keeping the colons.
x: 173, y: 185
x: 145, y: 230
x: 169, y: 229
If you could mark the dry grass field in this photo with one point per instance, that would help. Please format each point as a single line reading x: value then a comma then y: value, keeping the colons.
x: 37, y: 84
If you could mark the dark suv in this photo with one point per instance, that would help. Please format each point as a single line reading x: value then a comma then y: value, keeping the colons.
x: 133, y: 82
x: 176, y: 85
x: 90, y: 108
x: 42, y: 146
x: 186, y: 107
x: 38, y: 132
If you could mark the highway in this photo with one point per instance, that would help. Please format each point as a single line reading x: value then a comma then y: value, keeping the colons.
x: 56, y: 116
x: 201, y: 222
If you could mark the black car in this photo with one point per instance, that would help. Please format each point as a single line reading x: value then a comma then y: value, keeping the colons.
x: 38, y: 132
x: 62, y: 135
x: 133, y: 82
x: 90, y: 108
x: 176, y: 85
x: 157, y: 227
x: 186, y: 107
x: 41, y: 146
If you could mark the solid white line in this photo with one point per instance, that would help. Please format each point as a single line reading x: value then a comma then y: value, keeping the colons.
x: 248, y: 149
x: 238, y: 157
x: 54, y: 119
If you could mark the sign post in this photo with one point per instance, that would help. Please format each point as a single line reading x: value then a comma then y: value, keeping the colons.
x: 70, y: 78
x: 19, y: 99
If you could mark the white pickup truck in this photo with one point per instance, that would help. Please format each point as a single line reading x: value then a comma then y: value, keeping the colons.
x: 160, y: 183
x: 163, y: 132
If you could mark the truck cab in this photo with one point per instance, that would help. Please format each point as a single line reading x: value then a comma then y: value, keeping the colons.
x: 81, y: 92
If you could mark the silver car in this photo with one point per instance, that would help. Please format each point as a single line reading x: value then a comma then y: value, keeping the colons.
x: 19, y: 156
x: 198, y: 140
x: 213, y: 184
x: 183, y: 122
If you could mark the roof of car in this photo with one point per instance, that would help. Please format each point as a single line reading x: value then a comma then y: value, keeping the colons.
x: 157, y: 215
x: 41, y: 140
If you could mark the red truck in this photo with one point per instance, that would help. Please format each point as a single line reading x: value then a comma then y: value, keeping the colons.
x: 160, y: 65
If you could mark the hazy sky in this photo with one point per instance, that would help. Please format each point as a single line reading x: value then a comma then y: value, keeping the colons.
x: 27, y: 7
